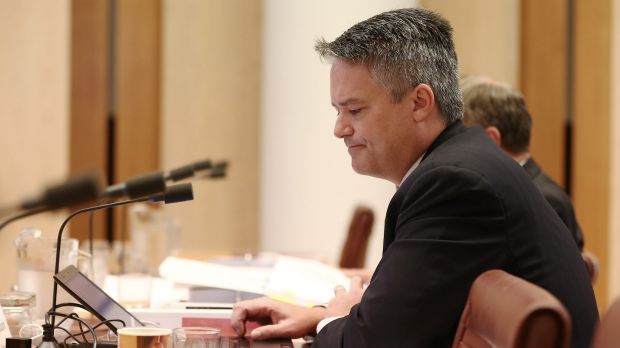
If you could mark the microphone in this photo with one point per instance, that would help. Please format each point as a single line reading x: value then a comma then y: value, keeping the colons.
x: 137, y: 186
x: 219, y: 170
x: 155, y: 182
x: 76, y: 190
x: 202, y: 166
x: 173, y: 194
x: 188, y: 170
x: 144, y: 185
x: 200, y: 169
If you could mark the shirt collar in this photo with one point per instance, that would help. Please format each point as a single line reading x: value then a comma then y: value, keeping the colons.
x: 413, y: 167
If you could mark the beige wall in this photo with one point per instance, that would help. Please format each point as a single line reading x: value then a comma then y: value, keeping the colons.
x: 210, y: 105
x: 33, y: 111
x: 308, y: 189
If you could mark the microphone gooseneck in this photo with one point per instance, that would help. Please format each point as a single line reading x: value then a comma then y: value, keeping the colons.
x: 173, y: 194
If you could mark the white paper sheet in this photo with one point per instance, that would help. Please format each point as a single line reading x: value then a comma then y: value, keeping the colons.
x: 291, y: 279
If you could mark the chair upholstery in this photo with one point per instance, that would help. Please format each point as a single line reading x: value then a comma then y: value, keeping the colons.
x: 503, y: 311
x: 354, y: 249
x: 592, y: 264
x: 607, y: 333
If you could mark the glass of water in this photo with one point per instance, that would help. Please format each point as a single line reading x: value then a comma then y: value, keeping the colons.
x: 196, y: 337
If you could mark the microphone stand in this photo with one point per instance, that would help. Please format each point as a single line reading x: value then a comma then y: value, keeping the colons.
x: 173, y: 194
x: 59, y: 240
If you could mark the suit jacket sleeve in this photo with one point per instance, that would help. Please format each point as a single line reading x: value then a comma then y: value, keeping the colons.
x: 448, y: 231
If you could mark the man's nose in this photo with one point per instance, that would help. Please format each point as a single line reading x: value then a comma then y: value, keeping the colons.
x: 342, y: 128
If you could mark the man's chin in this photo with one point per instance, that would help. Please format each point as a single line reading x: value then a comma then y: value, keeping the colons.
x: 361, y: 169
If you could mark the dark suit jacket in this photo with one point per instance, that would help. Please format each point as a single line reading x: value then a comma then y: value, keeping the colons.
x: 559, y: 200
x: 467, y: 208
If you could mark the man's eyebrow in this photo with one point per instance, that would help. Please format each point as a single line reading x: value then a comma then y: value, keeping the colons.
x: 347, y: 102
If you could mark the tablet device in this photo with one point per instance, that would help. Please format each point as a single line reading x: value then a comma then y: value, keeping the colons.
x: 94, y: 299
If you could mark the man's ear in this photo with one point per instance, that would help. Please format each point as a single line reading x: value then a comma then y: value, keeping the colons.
x: 494, y: 134
x: 422, y: 101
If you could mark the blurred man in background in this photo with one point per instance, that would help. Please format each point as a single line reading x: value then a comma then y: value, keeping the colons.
x: 502, y: 112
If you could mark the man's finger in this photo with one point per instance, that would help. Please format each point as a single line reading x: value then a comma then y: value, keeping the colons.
x: 237, y: 320
x: 339, y: 289
x: 356, y: 283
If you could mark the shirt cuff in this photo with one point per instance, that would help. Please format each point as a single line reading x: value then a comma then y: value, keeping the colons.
x: 324, y: 322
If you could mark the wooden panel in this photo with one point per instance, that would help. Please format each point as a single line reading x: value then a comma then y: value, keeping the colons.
x: 591, y: 124
x: 210, y: 109
x: 34, y: 114
x: 137, y: 89
x: 88, y: 98
x: 614, y: 146
x: 543, y: 80
x: 486, y: 36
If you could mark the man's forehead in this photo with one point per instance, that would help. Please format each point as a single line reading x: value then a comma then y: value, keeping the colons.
x: 351, y: 84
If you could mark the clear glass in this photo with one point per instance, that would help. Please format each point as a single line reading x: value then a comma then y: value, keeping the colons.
x: 36, y: 259
x: 196, y: 337
x: 18, y: 307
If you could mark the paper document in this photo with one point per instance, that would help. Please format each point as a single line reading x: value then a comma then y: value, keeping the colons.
x: 305, y: 282
x: 193, y: 272
x: 296, y: 280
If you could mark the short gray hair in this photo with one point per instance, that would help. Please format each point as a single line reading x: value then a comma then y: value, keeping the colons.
x: 404, y: 48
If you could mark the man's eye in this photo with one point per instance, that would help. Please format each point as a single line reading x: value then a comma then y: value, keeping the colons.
x: 355, y: 111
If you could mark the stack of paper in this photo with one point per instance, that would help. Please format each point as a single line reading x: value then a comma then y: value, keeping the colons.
x: 193, y: 272
x: 295, y: 280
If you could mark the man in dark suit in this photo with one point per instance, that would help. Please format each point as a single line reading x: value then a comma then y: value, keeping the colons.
x: 502, y: 112
x: 462, y: 206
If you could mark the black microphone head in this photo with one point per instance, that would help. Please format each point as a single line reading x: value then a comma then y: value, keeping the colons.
x: 145, y: 185
x: 219, y: 170
x: 187, y: 171
x: 76, y: 190
x: 175, y: 194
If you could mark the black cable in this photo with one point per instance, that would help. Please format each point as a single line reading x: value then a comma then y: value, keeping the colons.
x: 75, y: 317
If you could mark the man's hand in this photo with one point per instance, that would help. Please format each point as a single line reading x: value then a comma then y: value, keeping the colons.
x: 341, y: 304
x: 279, y: 319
